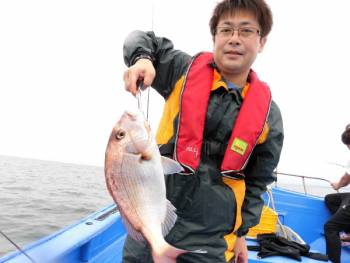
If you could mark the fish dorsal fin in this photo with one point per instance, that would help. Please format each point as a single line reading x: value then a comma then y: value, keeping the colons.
x: 170, y: 166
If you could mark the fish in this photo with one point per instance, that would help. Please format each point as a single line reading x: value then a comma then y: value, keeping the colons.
x: 134, y: 174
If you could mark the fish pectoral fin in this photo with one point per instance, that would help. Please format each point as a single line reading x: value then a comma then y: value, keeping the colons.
x: 132, y: 157
x: 170, y: 166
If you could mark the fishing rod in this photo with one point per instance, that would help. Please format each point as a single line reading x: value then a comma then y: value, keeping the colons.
x: 18, y: 247
x: 337, y: 164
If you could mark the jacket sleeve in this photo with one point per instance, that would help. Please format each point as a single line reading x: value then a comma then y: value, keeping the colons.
x: 169, y: 63
x: 259, y: 171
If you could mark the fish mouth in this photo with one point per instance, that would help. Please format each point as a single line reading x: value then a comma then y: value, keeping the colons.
x: 142, y: 146
x: 131, y: 115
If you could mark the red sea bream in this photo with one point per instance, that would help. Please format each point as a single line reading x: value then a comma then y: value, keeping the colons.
x: 134, y: 171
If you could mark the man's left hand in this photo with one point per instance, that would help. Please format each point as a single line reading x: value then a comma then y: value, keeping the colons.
x: 241, y: 251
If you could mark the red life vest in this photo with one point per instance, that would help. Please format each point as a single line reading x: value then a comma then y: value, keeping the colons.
x: 194, y: 103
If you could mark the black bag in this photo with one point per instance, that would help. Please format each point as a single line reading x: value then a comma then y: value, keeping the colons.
x: 273, y: 245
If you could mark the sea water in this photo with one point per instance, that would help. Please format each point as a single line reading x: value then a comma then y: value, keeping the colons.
x: 39, y: 197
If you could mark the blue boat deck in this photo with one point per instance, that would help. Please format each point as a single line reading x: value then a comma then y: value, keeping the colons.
x: 99, y: 238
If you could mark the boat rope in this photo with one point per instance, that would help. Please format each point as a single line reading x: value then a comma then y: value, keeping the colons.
x: 283, y: 230
x: 18, y: 247
x: 269, y: 192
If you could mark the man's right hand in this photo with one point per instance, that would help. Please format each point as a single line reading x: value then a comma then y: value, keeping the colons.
x: 143, y: 70
x: 344, y: 181
x: 335, y: 186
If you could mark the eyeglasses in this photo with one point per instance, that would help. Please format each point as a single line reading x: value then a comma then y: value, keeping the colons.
x: 245, y: 32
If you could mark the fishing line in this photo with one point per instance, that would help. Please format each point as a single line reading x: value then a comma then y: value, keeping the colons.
x: 18, y: 247
x: 149, y: 90
x: 139, y: 100
x: 147, y: 110
x: 337, y: 164
x: 140, y: 84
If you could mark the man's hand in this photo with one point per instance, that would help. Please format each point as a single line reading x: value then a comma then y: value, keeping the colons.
x: 241, y: 251
x: 344, y: 181
x: 335, y: 186
x: 143, y: 70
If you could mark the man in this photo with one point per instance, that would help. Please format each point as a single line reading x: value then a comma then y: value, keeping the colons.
x: 339, y: 205
x: 220, y: 123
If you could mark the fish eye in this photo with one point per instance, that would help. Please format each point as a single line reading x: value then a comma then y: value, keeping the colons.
x: 120, y: 135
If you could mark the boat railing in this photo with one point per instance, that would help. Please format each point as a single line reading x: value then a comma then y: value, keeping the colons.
x: 302, y: 177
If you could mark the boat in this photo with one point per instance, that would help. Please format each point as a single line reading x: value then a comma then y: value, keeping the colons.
x: 99, y: 238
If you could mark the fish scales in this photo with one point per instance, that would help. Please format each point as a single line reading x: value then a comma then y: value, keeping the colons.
x: 134, y: 171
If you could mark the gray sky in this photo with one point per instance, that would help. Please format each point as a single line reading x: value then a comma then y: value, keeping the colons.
x: 61, y: 66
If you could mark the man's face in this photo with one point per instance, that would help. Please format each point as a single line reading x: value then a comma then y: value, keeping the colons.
x: 234, y: 54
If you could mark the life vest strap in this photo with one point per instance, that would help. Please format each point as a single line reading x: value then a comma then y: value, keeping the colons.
x: 208, y: 147
x: 214, y: 148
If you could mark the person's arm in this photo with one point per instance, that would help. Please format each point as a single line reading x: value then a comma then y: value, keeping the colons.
x: 344, y: 181
x: 141, y: 48
x: 259, y: 171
